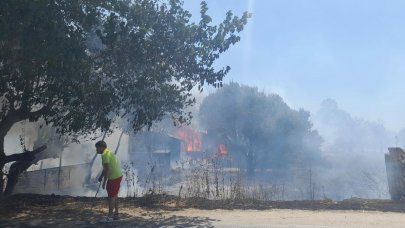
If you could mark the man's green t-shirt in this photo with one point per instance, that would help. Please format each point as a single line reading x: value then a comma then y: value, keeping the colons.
x: 107, y: 157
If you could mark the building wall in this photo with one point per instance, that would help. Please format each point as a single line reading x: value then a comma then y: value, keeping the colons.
x: 148, y: 149
x: 63, y: 180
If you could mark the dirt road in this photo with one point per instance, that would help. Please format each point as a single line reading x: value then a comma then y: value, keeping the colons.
x: 55, y: 211
x: 296, y: 218
x: 283, y: 218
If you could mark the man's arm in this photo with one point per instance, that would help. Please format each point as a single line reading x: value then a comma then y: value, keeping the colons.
x: 105, y: 174
x: 100, y: 179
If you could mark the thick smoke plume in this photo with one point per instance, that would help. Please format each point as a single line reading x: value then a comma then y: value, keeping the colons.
x: 354, y: 150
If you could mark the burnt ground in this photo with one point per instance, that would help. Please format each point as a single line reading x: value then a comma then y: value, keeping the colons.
x: 29, y: 210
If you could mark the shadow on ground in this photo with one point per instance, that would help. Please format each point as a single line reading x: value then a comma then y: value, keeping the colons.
x: 173, y: 221
x: 40, y: 211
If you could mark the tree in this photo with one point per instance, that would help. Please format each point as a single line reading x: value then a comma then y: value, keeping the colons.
x: 81, y: 64
x: 259, y: 129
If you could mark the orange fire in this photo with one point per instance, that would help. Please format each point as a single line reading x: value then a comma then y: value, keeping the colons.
x: 191, y: 138
x: 222, y: 150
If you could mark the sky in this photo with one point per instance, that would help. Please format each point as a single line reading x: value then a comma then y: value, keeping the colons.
x: 310, y: 50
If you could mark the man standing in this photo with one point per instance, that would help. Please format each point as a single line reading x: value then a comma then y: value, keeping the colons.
x: 111, y: 177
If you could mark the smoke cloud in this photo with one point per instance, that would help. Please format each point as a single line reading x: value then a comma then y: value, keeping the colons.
x: 348, y: 163
x: 354, y: 150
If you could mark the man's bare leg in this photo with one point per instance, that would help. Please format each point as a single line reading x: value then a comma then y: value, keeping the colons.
x: 111, y: 204
x: 116, y: 205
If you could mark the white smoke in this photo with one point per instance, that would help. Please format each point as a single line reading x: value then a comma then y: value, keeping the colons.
x: 354, y: 151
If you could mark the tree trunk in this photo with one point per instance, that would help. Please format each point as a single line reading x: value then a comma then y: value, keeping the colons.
x: 250, y: 160
x: 119, y: 142
x: 12, y: 178
x: 22, y: 162
x: 11, y: 118
x: 2, y: 163
x: 2, y: 177
x: 5, y: 125
x: 250, y: 163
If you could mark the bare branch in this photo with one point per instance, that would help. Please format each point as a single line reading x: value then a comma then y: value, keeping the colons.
x: 26, y: 156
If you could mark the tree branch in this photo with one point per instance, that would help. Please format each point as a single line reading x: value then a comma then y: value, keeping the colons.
x: 27, y: 155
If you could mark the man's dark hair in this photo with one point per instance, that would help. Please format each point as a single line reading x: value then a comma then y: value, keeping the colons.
x: 101, y: 144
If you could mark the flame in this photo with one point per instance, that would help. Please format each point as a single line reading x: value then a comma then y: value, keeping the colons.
x: 222, y: 150
x: 191, y: 138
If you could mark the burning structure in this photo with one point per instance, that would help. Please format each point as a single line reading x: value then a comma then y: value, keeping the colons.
x: 153, y: 149
x: 192, y: 140
x: 166, y: 151
x: 149, y: 152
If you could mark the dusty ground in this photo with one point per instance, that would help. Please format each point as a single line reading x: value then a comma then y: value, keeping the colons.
x: 57, y: 211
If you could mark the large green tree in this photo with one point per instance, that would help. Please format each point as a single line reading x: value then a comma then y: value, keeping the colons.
x: 80, y: 64
x: 259, y: 129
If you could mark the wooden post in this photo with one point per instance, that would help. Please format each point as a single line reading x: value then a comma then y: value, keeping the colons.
x: 60, y: 167
x: 44, y: 179
x: 395, y: 166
